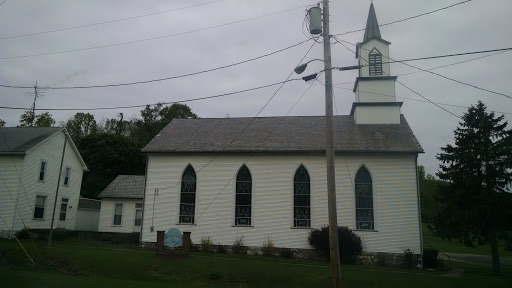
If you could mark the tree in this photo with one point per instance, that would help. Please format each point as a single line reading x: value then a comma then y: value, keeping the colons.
x: 115, y: 126
x: 2, y: 123
x: 429, y: 190
x: 29, y: 119
x: 155, y: 118
x: 107, y: 156
x: 475, y: 206
x: 80, y: 125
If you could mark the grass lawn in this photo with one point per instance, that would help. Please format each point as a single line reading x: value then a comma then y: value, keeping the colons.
x: 455, y: 246
x: 96, y: 266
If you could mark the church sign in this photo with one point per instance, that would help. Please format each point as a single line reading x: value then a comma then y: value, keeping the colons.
x: 173, y: 238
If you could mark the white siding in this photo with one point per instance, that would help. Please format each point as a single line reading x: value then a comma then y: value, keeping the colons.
x: 127, y: 220
x: 49, y: 150
x: 377, y: 115
x: 370, y: 91
x: 364, y: 52
x: 395, y: 198
x: 9, y: 183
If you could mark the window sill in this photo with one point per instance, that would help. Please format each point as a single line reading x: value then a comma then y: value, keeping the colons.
x: 38, y: 219
x: 363, y: 230
x: 243, y: 226
x: 65, y: 185
x: 186, y: 224
x: 116, y: 226
x: 302, y: 228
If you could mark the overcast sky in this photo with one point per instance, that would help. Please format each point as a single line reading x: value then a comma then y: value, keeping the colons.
x: 477, y: 25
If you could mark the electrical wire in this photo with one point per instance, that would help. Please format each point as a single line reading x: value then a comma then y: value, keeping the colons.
x: 149, y: 39
x: 408, y: 18
x: 144, y: 105
x: 437, y: 74
x: 408, y: 88
x: 106, y: 22
x: 159, y: 79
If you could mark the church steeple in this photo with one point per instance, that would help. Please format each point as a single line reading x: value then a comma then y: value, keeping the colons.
x: 372, y: 26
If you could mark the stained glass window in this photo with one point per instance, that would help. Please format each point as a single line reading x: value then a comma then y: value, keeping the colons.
x: 301, y: 198
x: 243, y: 197
x: 188, y: 195
x: 364, y: 200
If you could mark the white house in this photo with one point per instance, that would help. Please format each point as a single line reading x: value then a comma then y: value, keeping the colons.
x: 259, y: 177
x: 30, y: 159
x: 121, y: 205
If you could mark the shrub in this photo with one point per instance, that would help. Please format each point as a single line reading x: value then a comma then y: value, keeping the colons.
x: 206, y: 244
x: 350, y: 244
x: 268, y: 248
x: 430, y: 257
x: 408, y: 258
x: 508, y: 241
x: 381, y: 259
x: 23, y: 233
x: 238, y: 246
x: 221, y: 249
x: 286, y: 253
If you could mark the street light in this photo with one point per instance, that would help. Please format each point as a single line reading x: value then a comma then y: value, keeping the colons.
x: 299, y: 69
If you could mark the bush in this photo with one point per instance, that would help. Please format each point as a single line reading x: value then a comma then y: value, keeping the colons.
x: 221, y: 249
x: 508, y: 241
x: 408, y: 258
x: 23, y: 233
x: 286, y: 253
x: 268, y: 248
x: 350, y: 244
x: 238, y: 246
x: 430, y: 257
x: 206, y: 244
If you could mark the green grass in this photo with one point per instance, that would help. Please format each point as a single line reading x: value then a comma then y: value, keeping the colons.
x: 97, y: 267
x: 454, y: 246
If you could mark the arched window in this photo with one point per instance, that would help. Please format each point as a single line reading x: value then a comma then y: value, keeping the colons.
x: 301, y: 198
x: 188, y: 195
x: 243, y: 197
x: 364, y: 200
x: 375, y: 62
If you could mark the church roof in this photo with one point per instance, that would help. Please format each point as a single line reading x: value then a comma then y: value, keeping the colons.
x: 281, y: 134
x: 372, y: 30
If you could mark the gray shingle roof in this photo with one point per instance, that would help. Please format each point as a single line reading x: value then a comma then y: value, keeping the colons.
x: 372, y: 26
x: 21, y: 139
x: 125, y: 186
x: 290, y: 134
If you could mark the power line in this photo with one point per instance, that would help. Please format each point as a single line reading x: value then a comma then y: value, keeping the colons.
x: 151, y: 38
x: 161, y: 79
x: 418, y: 100
x: 438, y: 67
x: 106, y: 22
x: 408, y: 88
x: 3, y: 2
x: 440, y: 75
x: 144, y: 105
x: 408, y: 18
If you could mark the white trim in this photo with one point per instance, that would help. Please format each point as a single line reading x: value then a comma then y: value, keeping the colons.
x: 252, y: 198
x: 373, y: 199
x: 179, y: 195
x: 69, y: 176
x: 41, y: 160
x: 113, y: 215
x: 292, y: 202
x: 44, y: 207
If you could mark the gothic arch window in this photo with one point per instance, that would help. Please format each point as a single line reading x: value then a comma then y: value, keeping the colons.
x: 364, y: 200
x: 375, y: 62
x: 188, y: 195
x: 243, y: 197
x: 301, y: 198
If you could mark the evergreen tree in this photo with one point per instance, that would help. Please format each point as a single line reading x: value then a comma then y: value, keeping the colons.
x: 475, y: 206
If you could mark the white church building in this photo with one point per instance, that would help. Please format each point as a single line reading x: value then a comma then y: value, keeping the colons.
x: 271, y: 181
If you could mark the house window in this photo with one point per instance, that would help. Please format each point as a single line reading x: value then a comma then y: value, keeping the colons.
x: 66, y: 176
x: 118, y: 214
x: 63, y: 209
x: 138, y: 214
x: 364, y: 200
x: 39, y: 207
x: 188, y: 195
x: 375, y: 62
x: 301, y: 198
x: 42, y: 170
x: 243, y: 197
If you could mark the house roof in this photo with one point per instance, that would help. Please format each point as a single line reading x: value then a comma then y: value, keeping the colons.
x: 18, y: 140
x: 125, y: 186
x: 281, y: 134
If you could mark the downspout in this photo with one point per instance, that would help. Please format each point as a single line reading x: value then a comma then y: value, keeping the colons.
x: 419, y: 211
x: 144, y: 200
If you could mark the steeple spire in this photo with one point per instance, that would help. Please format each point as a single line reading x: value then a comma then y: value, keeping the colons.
x: 372, y: 26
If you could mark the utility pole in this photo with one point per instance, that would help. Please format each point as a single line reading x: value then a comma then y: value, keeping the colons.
x: 331, y: 181
x: 33, y: 108
x: 58, y: 186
